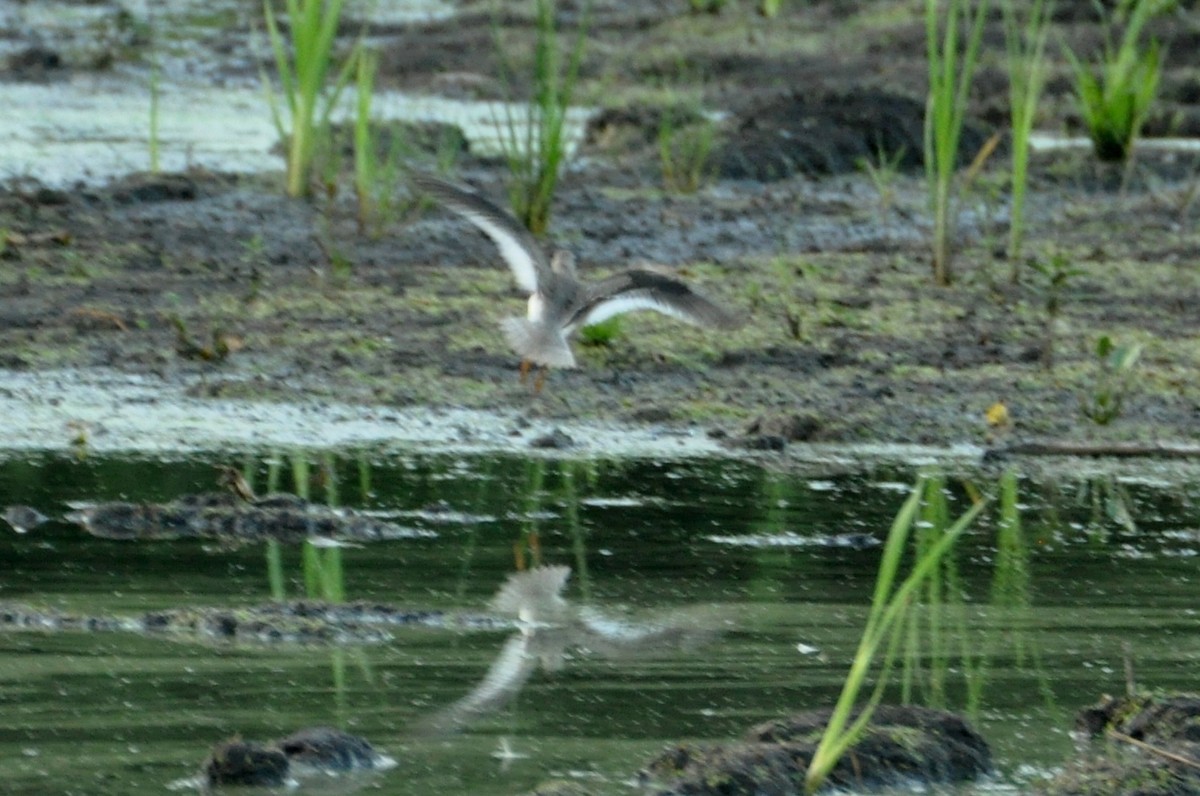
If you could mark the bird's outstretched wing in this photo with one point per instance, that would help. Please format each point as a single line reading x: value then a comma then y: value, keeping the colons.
x: 641, y: 289
x: 517, y: 246
x: 503, y: 681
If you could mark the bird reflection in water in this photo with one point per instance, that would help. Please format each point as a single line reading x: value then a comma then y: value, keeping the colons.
x: 549, y: 631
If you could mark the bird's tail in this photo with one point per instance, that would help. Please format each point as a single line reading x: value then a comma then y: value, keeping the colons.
x: 537, y: 590
x: 537, y: 342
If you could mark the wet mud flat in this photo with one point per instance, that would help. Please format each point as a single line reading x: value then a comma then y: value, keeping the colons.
x: 217, y: 285
x: 882, y: 355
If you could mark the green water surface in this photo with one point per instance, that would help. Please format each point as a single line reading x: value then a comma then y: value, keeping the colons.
x: 1107, y: 570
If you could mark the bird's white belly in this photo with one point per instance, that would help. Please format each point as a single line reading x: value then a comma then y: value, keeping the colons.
x: 537, y: 308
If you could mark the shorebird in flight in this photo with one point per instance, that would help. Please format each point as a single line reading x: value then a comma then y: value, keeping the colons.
x: 550, y: 633
x: 559, y: 302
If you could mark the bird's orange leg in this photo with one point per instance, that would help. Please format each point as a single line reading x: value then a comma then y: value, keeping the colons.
x: 540, y: 381
x: 525, y: 367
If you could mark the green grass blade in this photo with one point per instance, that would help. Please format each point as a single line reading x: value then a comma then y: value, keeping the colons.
x: 275, y: 571
x: 893, y: 549
x: 883, y: 623
x: 282, y: 63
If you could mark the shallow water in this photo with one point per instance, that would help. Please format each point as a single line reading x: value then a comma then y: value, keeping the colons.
x: 755, y: 566
x: 202, y: 62
x: 96, y: 128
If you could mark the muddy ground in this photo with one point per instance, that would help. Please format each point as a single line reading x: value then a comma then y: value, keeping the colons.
x: 219, y: 282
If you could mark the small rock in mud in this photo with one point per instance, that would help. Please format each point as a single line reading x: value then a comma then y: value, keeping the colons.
x: 774, y: 432
x: 903, y: 745
x: 41, y: 196
x: 13, y: 361
x: 554, y: 440
x: 34, y: 64
x: 763, y: 442
x: 138, y: 188
x: 652, y: 414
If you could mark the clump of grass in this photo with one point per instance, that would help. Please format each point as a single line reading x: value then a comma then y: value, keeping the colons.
x: 535, y: 148
x: 1115, y: 95
x: 186, y: 346
x: 1116, y: 368
x: 303, y: 65
x: 951, y: 70
x: 1025, y: 36
x: 787, y: 279
x: 885, y: 620
x: 883, y: 170
x: 601, y: 334
x: 375, y: 178
x: 684, y: 152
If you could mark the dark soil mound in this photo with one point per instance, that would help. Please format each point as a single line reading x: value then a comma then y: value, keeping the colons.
x: 902, y: 745
x: 1145, y: 718
x: 247, y: 763
x: 1145, y: 745
x: 830, y: 134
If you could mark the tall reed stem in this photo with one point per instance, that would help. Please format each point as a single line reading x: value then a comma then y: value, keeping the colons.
x: 950, y: 74
x: 1026, y: 44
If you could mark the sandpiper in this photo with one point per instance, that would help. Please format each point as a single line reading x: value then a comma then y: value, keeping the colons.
x: 559, y: 302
